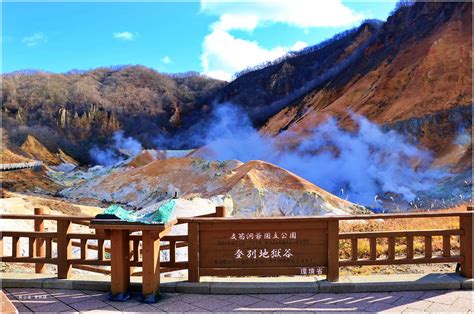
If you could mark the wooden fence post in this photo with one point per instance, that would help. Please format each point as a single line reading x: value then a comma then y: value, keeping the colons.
x: 151, y: 264
x: 193, y: 252
x: 220, y: 211
x: 64, y: 249
x: 465, y: 224
x: 120, y: 262
x: 333, y: 250
x: 39, y: 251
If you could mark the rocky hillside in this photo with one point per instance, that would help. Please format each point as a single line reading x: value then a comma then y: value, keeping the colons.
x: 78, y: 109
x: 266, y: 91
x: 255, y: 188
x: 412, y: 74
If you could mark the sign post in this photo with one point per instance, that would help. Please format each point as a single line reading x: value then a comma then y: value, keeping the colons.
x: 247, y: 247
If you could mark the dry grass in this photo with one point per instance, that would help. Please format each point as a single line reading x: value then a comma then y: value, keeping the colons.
x: 400, y: 243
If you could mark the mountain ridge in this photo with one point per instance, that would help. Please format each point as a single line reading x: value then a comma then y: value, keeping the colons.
x: 410, y: 73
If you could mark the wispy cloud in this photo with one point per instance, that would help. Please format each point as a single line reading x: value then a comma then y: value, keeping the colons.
x: 224, y: 53
x: 166, y: 60
x: 299, y: 13
x: 125, y: 35
x: 34, y: 40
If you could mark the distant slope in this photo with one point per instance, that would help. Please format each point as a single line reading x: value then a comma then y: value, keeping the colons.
x: 255, y: 188
x: 416, y: 79
x: 26, y: 179
x: 79, y: 109
x: 266, y: 91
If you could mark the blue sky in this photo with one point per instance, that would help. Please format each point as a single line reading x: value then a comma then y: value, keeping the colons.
x: 210, y: 37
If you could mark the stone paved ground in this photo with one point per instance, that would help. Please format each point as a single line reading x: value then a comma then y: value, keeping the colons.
x: 55, y: 300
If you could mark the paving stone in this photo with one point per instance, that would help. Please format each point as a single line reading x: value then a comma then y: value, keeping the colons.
x: 34, y: 298
x: 340, y: 299
x: 443, y: 297
x: 22, y: 309
x: 298, y: 300
x: 411, y: 311
x: 140, y: 308
x: 70, y: 296
x: 385, y: 297
x: 222, y: 296
x: 108, y: 309
x: 123, y: 305
x: 409, y: 294
x: 57, y: 300
x: 439, y: 307
x: 87, y: 305
x: 100, y: 295
x: 464, y: 303
x: 243, y: 300
x: 325, y: 306
x: 211, y: 304
x: 419, y: 305
x: 190, y: 298
x: 24, y: 291
x: 53, y: 307
x: 396, y: 309
x: 179, y: 307
x: 265, y: 305
x: 382, y: 306
x: 361, y: 303
x: 19, y: 305
x: 465, y: 294
x: 274, y: 296
x: 234, y: 308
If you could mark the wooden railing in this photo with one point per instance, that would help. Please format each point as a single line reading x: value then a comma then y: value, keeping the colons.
x: 463, y: 233
x: 329, y: 245
x: 41, y: 246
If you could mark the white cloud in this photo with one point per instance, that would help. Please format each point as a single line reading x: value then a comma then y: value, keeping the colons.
x: 224, y: 54
x: 231, y: 21
x: 125, y: 35
x: 300, y: 13
x: 166, y: 60
x: 34, y: 40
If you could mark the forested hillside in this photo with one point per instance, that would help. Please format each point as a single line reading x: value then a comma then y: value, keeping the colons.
x: 78, y: 109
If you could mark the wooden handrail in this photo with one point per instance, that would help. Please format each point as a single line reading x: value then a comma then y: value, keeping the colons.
x: 387, y: 234
x: 29, y: 234
x: 47, y: 217
x: 333, y: 217
x: 401, y: 261
x: 175, y: 238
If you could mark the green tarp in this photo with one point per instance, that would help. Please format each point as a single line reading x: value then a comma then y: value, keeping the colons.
x: 163, y: 214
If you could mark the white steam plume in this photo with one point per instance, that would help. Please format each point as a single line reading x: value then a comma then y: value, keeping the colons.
x: 121, y: 145
x: 365, y: 163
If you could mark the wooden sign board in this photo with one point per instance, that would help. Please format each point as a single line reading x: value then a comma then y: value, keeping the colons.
x: 262, y: 248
